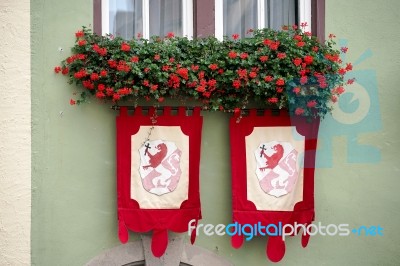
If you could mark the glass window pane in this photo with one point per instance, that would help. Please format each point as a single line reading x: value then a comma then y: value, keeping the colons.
x: 125, y: 18
x: 239, y: 16
x: 279, y: 12
x: 165, y: 16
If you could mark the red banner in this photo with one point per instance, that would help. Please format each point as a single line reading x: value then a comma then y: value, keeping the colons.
x: 158, y: 157
x: 272, y: 162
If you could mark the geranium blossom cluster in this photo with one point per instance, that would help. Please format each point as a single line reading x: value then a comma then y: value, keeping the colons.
x: 274, y: 69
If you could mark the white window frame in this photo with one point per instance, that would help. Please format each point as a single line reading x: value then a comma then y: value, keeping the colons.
x: 187, y: 16
x: 304, y: 13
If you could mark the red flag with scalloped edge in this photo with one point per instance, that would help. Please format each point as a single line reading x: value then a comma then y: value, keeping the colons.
x: 272, y: 162
x: 158, y: 157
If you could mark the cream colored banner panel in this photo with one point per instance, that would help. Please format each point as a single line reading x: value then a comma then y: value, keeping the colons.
x: 160, y: 167
x: 274, y: 160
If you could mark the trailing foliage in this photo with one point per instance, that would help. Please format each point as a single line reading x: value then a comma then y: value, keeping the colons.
x: 277, y: 69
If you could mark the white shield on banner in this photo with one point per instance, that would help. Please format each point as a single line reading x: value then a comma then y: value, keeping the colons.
x: 160, y: 166
x: 277, y: 167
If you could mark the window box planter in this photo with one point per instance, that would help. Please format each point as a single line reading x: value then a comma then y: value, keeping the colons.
x: 274, y: 68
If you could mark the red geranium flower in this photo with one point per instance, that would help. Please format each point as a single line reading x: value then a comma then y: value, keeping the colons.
x: 296, y: 90
x: 299, y: 111
x: 351, y: 81
x: 280, y: 82
x: 79, y: 34
x: 267, y: 42
x: 125, y: 47
x: 300, y: 44
x: 212, y: 82
x: 342, y: 71
x: 100, y: 95
x: 213, y: 67
x: 298, y: 38
x: 103, y: 73
x: 183, y: 72
x: 308, y: 59
x: 303, y: 24
x: 57, y: 69
x: 112, y: 63
x: 207, y: 94
x: 281, y: 55
x: 194, y: 67
x: 232, y: 54
x: 349, y: 67
x: 109, y: 91
x: 339, y: 90
x: 116, y: 97
x: 146, y: 83
x: 236, y: 84
x: 274, y: 45
x: 268, y: 78
x: 173, y: 81
x: 263, y: 58
x: 303, y: 80
x: 201, y: 89
x: 80, y: 74
x: 101, y: 87
x: 124, y: 91
x: 65, y: 70
x: 297, y: 61
x: 242, y: 73
x: 94, y: 76
x: 253, y: 74
x: 201, y: 74
x: 135, y: 59
x: 88, y: 84
x: 311, y: 103
x: 273, y: 100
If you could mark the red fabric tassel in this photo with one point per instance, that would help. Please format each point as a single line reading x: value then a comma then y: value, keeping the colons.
x: 237, y: 241
x: 123, y: 234
x: 159, y: 242
x: 275, y: 248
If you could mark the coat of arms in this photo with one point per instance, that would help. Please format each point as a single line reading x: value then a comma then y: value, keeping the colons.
x: 277, y: 169
x: 160, y: 166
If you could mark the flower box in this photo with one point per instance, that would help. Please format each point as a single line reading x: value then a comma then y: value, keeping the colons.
x: 273, y: 68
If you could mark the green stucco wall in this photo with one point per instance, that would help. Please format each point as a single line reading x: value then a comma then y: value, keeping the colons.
x: 73, y: 153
